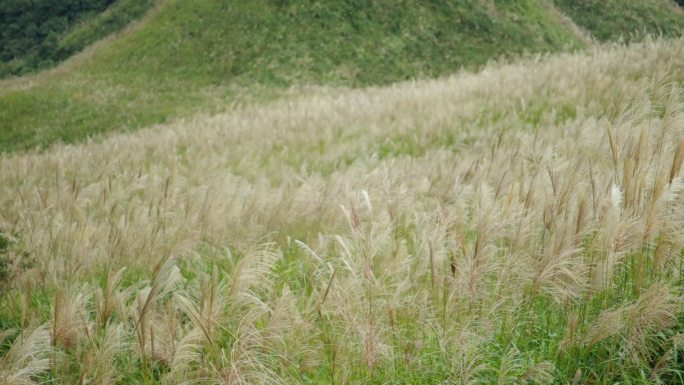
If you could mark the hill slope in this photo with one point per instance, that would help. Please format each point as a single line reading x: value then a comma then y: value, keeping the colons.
x: 521, y: 225
x: 189, y: 57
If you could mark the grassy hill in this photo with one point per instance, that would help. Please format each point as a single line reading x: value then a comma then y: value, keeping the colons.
x: 184, y: 58
x: 300, y: 216
x: 518, y: 226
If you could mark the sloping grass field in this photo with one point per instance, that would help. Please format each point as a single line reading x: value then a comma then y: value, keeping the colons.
x: 190, y: 57
x: 518, y: 225
x: 185, y: 58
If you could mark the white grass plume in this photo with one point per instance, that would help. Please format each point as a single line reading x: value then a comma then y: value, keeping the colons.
x: 27, y: 358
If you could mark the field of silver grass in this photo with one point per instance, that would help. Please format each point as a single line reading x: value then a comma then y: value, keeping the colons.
x: 520, y: 225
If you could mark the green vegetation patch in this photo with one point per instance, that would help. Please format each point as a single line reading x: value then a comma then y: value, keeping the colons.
x: 613, y: 19
x: 37, y: 34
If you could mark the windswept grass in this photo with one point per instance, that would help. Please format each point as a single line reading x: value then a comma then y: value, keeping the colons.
x: 520, y: 225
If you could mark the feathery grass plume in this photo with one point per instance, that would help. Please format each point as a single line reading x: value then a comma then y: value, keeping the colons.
x: 372, y: 339
x: 560, y: 270
x: 252, y: 277
x: 540, y: 373
x: 618, y: 233
x: 206, y: 311
x: 370, y: 235
x: 466, y: 359
x: 100, y: 366
x: 186, y: 357
x: 246, y: 363
x: 291, y: 335
x: 655, y: 311
x: 609, y: 323
x: 355, y: 308
x: 470, y: 281
x: 638, y: 323
x: 163, y: 332
x: 570, y: 337
x: 27, y: 358
x: 143, y: 310
x: 70, y: 320
x: 109, y: 300
x: 510, y: 368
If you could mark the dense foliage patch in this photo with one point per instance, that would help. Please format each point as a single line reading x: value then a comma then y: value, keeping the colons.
x: 630, y: 20
x: 38, y: 34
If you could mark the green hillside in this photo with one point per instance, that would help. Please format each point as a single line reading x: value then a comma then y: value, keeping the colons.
x: 187, y: 57
x: 376, y: 192
x: 614, y: 19
x: 520, y: 226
